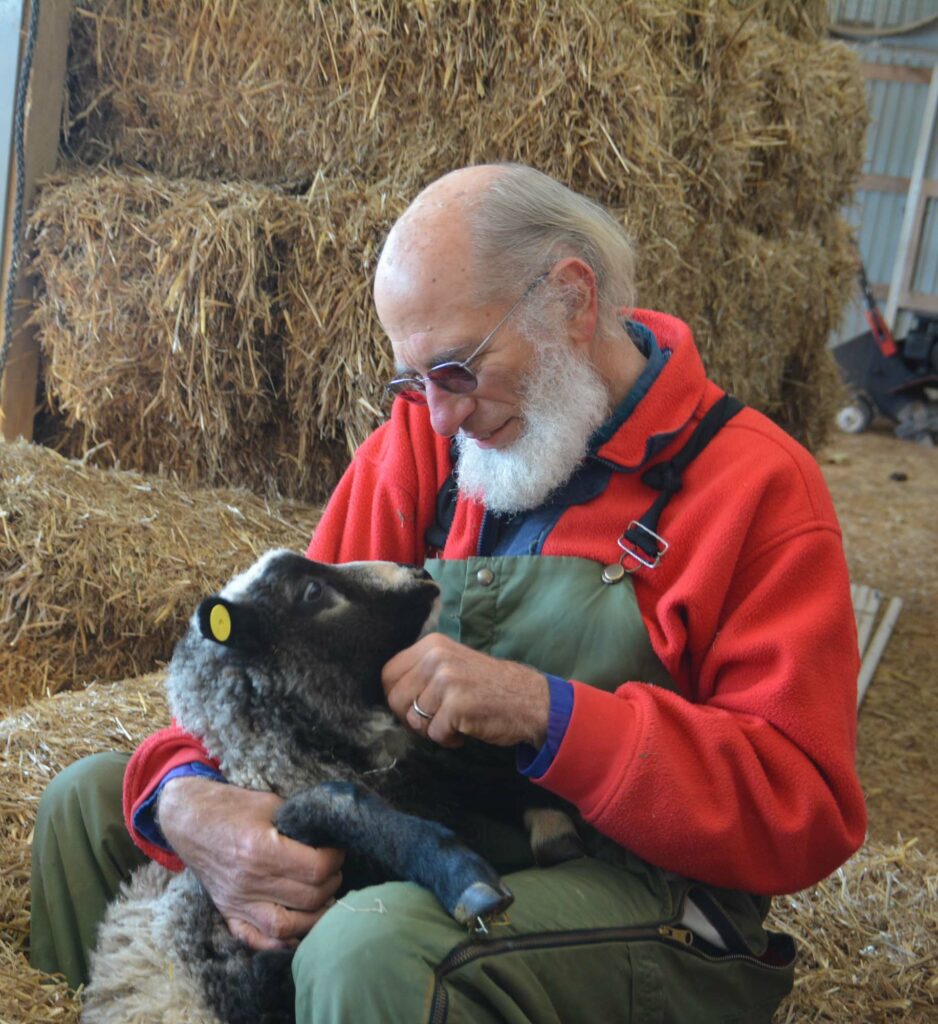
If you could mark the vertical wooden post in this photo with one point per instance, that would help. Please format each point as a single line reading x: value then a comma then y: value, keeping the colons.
x: 41, y: 141
x: 910, y: 234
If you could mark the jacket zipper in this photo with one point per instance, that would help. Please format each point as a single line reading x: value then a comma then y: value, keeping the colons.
x: 483, y: 524
x: 670, y: 934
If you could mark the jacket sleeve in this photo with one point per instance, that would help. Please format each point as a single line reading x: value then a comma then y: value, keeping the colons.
x: 159, y: 754
x: 749, y: 784
x: 385, y: 502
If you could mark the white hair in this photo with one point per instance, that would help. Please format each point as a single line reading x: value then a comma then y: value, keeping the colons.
x: 524, y: 221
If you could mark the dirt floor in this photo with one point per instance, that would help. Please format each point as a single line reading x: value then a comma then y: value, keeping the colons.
x: 886, y: 493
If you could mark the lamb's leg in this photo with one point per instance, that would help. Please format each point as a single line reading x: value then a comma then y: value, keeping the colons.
x: 347, y: 815
x: 552, y: 835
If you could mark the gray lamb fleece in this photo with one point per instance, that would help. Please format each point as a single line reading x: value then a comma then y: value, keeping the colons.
x: 279, y: 675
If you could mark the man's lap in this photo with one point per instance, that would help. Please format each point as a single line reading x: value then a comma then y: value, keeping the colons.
x: 580, y: 942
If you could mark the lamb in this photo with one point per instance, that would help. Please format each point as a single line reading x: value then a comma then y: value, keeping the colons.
x: 279, y: 674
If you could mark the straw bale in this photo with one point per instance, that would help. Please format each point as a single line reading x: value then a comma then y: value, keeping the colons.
x: 811, y: 136
x: 99, y: 569
x: 36, y: 743
x: 336, y: 358
x: 803, y: 19
x: 762, y: 307
x: 584, y: 90
x: 162, y: 327
x: 375, y: 88
x: 681, y: 118
x: 769, y: 129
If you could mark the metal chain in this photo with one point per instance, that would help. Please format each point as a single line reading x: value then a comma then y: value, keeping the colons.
x: 19, y: 119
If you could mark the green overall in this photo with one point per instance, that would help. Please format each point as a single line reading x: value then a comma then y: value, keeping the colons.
x: 588, y: 940
x: 594, y: 939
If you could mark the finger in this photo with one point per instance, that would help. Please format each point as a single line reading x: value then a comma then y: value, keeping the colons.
x: 280, y: 923
x: 252, y: 936
x: 409, y: 660
x: 310, y: 865
x: 401, y: 664
x: 421, y: 710
x: 299, y: 894
x: 443, y: 732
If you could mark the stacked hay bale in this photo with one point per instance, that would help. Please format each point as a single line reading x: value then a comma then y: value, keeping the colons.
x: 100, y: 569
x: 228, y: 288
x: 210, y: 329
x: 867, y: 934
x: 37, y: 742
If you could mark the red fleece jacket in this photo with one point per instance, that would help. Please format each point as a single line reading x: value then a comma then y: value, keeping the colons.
x: 743, y: 779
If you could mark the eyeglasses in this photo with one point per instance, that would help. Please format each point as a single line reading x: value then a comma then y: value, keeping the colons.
x: 453, y: 376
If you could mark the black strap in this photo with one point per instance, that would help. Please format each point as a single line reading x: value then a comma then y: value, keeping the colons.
x: 662, y: 476
x: 438, y: 530
x: 666, y: 476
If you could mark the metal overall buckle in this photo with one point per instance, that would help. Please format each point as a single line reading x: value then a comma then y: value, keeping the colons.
x: 614, y: 572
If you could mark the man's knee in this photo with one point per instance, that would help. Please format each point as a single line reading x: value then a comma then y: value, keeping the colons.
x: 85, y: 797
x: 374, y: 952
x: 97, y: 775
x: 81, y: 854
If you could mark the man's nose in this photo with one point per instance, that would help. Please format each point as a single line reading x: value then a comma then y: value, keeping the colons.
x: 448, y: 412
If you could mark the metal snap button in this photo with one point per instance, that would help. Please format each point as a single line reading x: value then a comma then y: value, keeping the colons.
x: 485, y: 577
x: 613, y: 573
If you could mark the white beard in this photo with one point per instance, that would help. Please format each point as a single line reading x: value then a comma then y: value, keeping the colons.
x: 564, y: 401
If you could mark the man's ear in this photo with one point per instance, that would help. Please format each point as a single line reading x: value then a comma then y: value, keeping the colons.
x: 578, y: 284
x: 232, y: 625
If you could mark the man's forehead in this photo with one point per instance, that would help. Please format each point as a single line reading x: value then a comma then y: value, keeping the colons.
x: 422, y: 349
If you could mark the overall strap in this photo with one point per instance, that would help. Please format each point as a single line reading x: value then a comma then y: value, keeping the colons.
x: 666, y: 477
x: 662, y: 476
x: 436, y: 533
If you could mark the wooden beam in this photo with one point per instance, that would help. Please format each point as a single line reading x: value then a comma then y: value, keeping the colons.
x: 919, y: 302
x: 895, y: 73
x: 41, y: 141
x: 894, y: 185
x: 911, y: 230
x: 876, y: 648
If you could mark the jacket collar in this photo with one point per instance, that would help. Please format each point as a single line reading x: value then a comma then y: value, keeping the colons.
x: 665, y: 407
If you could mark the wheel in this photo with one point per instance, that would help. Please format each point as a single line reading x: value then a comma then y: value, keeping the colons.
x: 855, y: 417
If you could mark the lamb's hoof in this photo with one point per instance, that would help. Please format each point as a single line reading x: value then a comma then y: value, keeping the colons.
x: 482, y: 900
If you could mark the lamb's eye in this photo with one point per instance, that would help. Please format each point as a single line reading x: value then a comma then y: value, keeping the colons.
x: 313, y: 591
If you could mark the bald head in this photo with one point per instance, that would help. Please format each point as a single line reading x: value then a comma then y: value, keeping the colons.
x: 488, y: 231
x: 429, y: 251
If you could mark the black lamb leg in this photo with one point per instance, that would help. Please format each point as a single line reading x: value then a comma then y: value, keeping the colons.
x: 348, y: 815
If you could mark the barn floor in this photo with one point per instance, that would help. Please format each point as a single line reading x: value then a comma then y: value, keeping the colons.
x: 891, y: 538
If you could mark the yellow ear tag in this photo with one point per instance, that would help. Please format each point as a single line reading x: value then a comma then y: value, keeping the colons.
x: 219, y: 620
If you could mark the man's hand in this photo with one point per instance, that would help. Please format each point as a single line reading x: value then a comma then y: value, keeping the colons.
x: 467, y: 693
x: 270, y: 889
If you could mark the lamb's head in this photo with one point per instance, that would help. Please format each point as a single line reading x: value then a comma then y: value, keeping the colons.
x: 294, y: 636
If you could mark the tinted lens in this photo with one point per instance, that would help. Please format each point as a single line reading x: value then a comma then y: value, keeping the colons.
x: 454, y: 377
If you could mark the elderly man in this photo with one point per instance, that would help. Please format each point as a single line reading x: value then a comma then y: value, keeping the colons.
x: 644, y: 595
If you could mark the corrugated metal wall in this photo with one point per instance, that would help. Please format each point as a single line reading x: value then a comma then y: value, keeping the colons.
x: 898, y: 69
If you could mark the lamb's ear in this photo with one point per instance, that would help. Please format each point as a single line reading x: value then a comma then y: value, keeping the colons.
x: 234, y: 625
